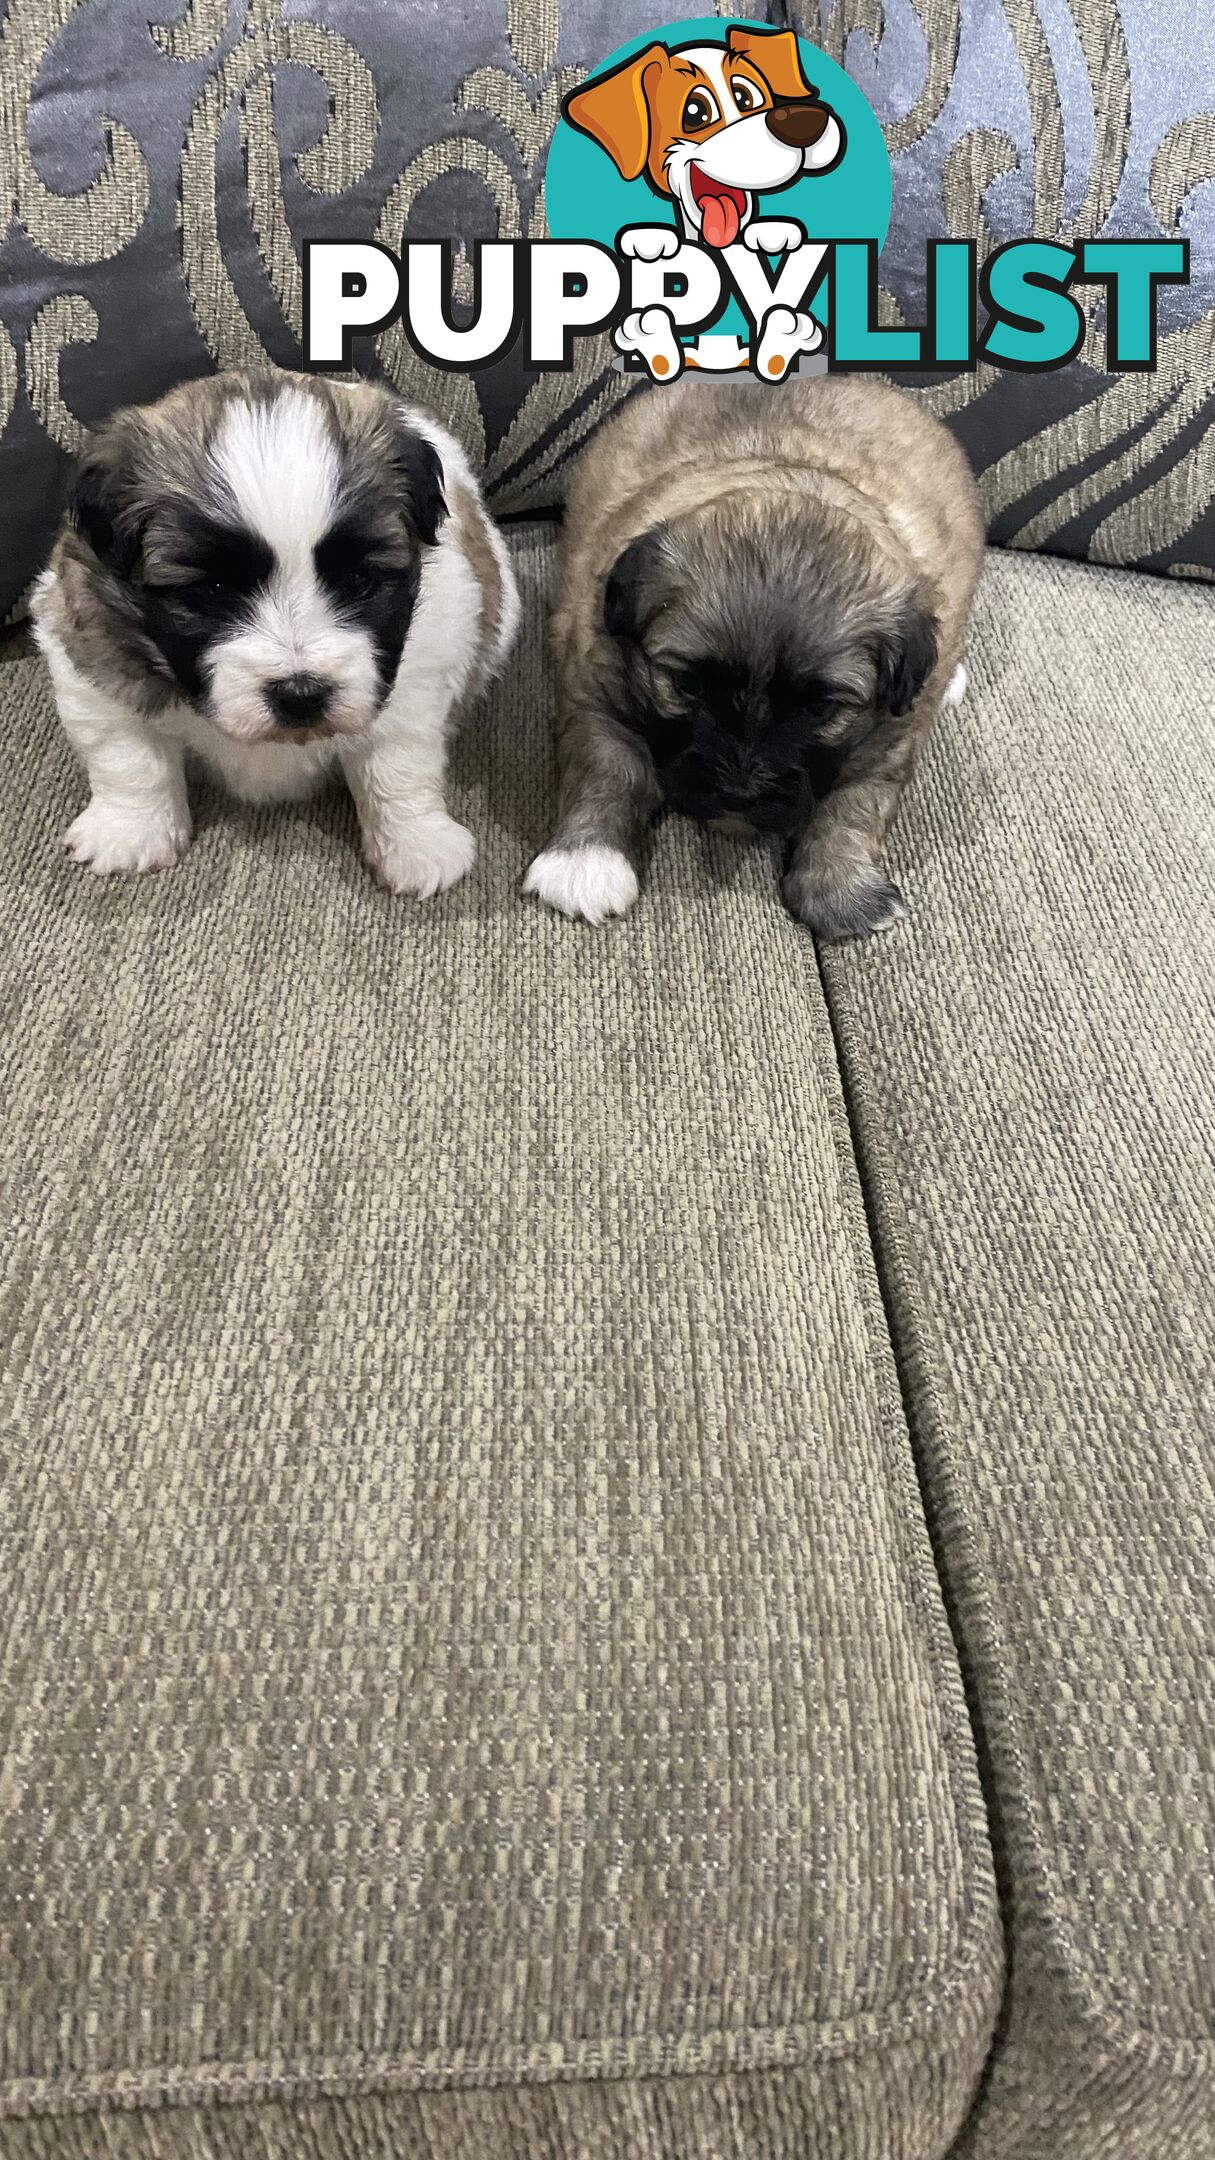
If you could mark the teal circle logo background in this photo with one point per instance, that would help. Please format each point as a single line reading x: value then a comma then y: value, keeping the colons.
x: 585, y: 198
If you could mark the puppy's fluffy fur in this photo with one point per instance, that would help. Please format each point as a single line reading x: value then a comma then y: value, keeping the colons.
x: 281, y: 574
x: 761, y: 604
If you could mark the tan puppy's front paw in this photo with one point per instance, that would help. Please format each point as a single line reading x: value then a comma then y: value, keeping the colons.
x: 856, y: 907
x: 650, y: 243
x: 588, y: 883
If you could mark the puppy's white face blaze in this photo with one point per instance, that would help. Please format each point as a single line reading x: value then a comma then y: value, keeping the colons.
x: 278, y: 466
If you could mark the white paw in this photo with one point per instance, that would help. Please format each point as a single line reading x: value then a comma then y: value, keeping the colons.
x: 649, y: 243
x: 955, y: 688
x: 589, y: 883
x: 422, y: 856
x: 114, y: 840
x: 649, y: 333
x: 774, y: 236
x: 783, y: 335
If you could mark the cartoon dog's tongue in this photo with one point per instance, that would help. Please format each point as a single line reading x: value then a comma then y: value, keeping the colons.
x: 719, y: 220
x: 721, y: 209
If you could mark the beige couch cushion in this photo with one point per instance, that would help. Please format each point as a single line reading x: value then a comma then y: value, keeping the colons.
x: 472, y: 1641
x: 1031, y: 1065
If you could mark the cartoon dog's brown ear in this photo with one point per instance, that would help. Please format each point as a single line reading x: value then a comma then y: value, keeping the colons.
x: 775, y: 54
x: 614, y: 109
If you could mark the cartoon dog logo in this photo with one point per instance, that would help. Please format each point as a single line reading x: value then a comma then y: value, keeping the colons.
x: 711, y: 127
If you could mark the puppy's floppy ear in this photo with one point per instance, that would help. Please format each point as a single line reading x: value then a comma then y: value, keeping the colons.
x: 614, y: 110
x: 906, y: 656
x: 775, y: 54
x: 102, y: 505
x: 630, y: 597
x: 419, y: 471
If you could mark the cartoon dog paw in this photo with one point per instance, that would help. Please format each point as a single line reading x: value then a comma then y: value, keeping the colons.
x: 648, y: 334
x: 774, y: 236
x: 784, y: 334
x: 649, y: 243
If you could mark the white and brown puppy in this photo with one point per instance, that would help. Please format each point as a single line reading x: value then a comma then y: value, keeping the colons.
x: 761, y: 605
x: 281, y: 574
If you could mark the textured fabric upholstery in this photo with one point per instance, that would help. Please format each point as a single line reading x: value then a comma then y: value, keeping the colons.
x: 1030, y: 1067
x: 474, y: 1674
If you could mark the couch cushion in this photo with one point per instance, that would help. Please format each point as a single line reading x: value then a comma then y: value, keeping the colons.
x: 470, y: 1619
x: 1030, y: 1063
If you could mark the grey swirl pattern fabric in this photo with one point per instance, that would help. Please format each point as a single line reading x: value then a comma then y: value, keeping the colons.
x: 471, y: 1639
x: 165, y: 162
x: 1065, y: 119
x: 165, y: 159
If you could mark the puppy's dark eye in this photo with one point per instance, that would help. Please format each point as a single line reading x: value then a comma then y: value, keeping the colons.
x: 686, y: 681
x: 188, y: 590
x: 820, y: 701
x: 196, y: 564
x: 358, y: 584
x: 358, y: 577
x: 350, y: 566
x: 700, y: 111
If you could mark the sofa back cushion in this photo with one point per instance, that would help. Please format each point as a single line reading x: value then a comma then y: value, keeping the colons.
x: 166, y: 174
x: 1093, y: 118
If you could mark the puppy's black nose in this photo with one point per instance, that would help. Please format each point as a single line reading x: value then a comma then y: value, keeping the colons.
x: 799, y: 124
x: 737, y: 793
x: 738, y: 783
x: 299, y: 700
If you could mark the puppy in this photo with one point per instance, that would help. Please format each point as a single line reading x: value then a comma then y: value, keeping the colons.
x: 282, y: 574
x: 710, y: 127
x: 761, y: 603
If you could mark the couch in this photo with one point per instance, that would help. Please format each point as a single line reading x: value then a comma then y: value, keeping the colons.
x: 575, y: 1503
x: 607, y: 1535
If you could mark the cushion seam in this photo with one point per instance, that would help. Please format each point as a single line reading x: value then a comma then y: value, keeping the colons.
x: 789, y: 2047
x: 970, y: 1820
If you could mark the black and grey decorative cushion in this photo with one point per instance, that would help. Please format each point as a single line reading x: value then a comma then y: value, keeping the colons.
x: 1068, y: 121
x: 170, y: 159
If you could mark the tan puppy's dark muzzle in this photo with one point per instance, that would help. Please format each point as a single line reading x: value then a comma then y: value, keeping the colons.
x: 799, y: 124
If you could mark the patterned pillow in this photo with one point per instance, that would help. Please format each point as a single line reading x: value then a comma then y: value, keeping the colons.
x: 1065, y: 119
x: 172, y: 156
x: 174, y: 153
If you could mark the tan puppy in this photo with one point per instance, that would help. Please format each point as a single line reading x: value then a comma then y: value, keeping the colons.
x: 761, y: 604
x: 711, y: 127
